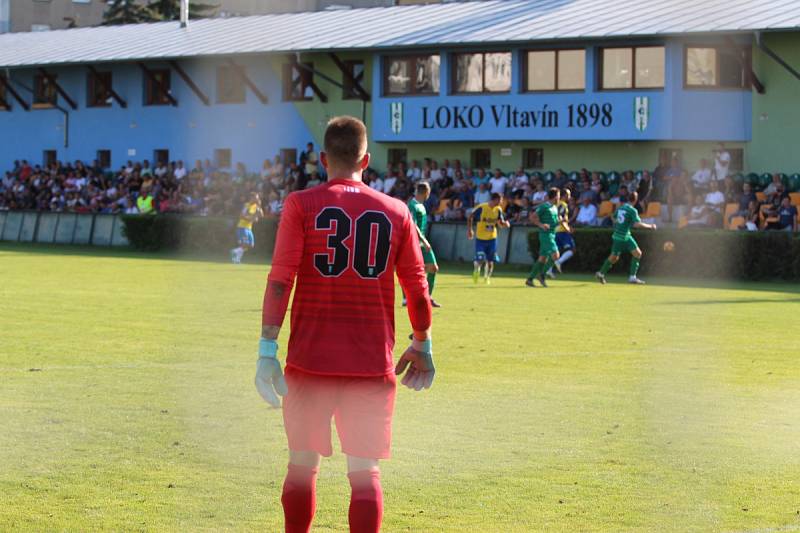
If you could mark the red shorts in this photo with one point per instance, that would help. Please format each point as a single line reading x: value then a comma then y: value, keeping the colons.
x: 361, y: 406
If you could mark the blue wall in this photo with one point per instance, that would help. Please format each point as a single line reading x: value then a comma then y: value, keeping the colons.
x: 674, y: 112
x: 253, y: 131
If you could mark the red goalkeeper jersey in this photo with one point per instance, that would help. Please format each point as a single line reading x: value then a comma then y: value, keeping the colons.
x: 344, y: 242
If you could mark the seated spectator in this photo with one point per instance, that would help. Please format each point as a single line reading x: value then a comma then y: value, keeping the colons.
x: 539, y: 195
x: 701, y: 178
x: 435, y: 172
x: 414, y: 173
x: 482, y: 195
x: 621, y: 197
x: 587, y: 213
x: 700, y: 215
x: 275, y: 205
x: 772, y: 188
x: 715, y: 203
x: 730, y: 189
x: 784, y: 218
x: 560, y: 180
x: 498, y: 182
x: 646, y: 188
x: 480, y: 177
x: 679, y: 192
x: 313, y: 180
x: 375, y: 182
x: 389, y: 181
x: 745, y: 197
x: 518, y: 180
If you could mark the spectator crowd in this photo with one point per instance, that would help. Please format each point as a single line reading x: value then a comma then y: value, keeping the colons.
x: 704, y: 198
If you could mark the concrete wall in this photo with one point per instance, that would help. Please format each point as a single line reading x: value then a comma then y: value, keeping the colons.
x: 450, y: 242
x: 61, y: 228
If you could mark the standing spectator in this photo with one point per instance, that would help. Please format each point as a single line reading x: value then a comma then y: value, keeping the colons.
x: 645, y: 189
x: 722, y: 162
x: 308, y: 159
x: 679, y: 192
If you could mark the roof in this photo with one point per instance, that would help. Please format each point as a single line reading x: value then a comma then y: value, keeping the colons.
x: 444, y: 24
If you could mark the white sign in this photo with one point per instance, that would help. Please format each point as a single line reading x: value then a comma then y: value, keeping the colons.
x: 641, y: 112
x: 131, y: 152
x: 505, y: 152
x: 397, y: 117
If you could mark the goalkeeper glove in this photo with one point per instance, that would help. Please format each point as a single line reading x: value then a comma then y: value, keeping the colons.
x: 269, y: 374
x: 418, y: 359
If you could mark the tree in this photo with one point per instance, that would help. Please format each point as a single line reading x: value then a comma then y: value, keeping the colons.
x: 171, y: 9
x: 128, y: 12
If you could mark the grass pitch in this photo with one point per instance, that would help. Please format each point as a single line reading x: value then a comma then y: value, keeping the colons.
x: 127, y: 403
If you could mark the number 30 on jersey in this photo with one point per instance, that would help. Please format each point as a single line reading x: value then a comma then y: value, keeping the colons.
x: 370, y: 248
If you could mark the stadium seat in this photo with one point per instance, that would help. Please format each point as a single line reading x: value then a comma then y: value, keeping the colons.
x: 752, y: 179
x: 795, y: 196
x: 639, y: 174
x: 606, y: 209
x: 613, y: 177
x: 548, y: 177
x: 735, y: 223
x: 761, y: 197
x: 536, y: 175
x: 738, y: 178
x: 764, y: 180
x: 683, y: 222
x: 794, y: 183
x: 603, y: 177
x: 653, y: 210
x: 574, y: 175
x: 613, y: 188
x: 730, y: 209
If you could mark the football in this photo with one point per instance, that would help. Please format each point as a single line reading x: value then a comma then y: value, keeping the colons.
x: 669, y: 246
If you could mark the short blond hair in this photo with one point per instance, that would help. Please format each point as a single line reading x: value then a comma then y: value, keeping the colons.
x: 345, y: 142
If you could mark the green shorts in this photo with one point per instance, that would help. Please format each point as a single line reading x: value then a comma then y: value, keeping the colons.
x: 621, y: 246
x: 547, y: 244
x: 428, y: 257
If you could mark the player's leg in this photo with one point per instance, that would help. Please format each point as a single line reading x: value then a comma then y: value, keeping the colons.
x: 609, y: 262
x: 568, y: 248
x: 307, y: 411
x: 366, y: 495
x: 636, y: 257
x: 491, y: 259
x: 364, y: 424
x: 536, y: 270
x: 431, y: 268
x: 236, y: 253
x: 480, y: 259
x: 248, y: 243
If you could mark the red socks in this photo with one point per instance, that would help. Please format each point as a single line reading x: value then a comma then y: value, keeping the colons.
x: 366, y: 501
x: 299, y: 498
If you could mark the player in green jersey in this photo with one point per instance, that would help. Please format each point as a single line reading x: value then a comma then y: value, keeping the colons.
x: 420, y: 215
x: 547, y: 219
x: 625, y: 218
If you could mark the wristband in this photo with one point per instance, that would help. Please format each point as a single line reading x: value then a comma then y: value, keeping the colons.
x: 267, y: 348
x: 422, y: 346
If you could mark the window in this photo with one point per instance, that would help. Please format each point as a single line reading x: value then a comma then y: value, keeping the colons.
x: 288, y: 156
x: 532, y: 158
x: 556, y: 70
x: 223, y: 157
x: 297, y: 82
x: 356, y: 70
x: 397, y: 156
x: 161, y: 156
x: 488, y: 72
x: 411, y: 74
x: 633, y: 68
x: 480, y: 157
x: 44, y: 91
x: 155, y: 87
x: 230, y: 85
x: 98, y: 91
x: 104, y: 158
x: 49, y: 157
x: 717, y: 67
x: 4, y: 106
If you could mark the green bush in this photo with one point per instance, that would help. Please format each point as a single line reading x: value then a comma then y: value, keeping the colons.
x: 714, y: 254
x: 192, y: 234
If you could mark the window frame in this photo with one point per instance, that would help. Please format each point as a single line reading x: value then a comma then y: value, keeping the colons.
x: 39, y: 81
x: 632, y: 48
x: 747, y: 83
x: 231, y: 75
x: 454, y: 67
x: 220, y: 154
x: 348, y: 89
x: 104, y: 154
x: 91, y: 85
x: 525, y: 152
x: 524, y: 70
x: 412, y: 60
x: 150, y: 92
x: 306, y: 79
x: 473, y: 158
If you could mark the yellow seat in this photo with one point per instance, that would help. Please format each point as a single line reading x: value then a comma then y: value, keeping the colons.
x: 795, y: 196
x: 442, y: 206
x: 653, y: 210
x: 761, y: 197
x: 683, y: 222
x: 736, y: 222
x: 606, y: 209
x: 730, y: 209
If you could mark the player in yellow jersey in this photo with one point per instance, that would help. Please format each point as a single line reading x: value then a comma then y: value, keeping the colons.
x: 564, y: 239
x: 251, y: 212
x: 488, y: 215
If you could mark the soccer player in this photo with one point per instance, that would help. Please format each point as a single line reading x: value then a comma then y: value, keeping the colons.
x: 251, y: 212
x: 564, y: 239
x: 343, y: 242
x: 546, y: 219
x: 625, y: 218
x: 420, y: 215
x: 489, y: 215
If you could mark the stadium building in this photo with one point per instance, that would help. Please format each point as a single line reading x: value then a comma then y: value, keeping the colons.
x: 540, y: 84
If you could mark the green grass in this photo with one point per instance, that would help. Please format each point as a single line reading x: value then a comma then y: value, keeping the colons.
x: 126, y: 403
